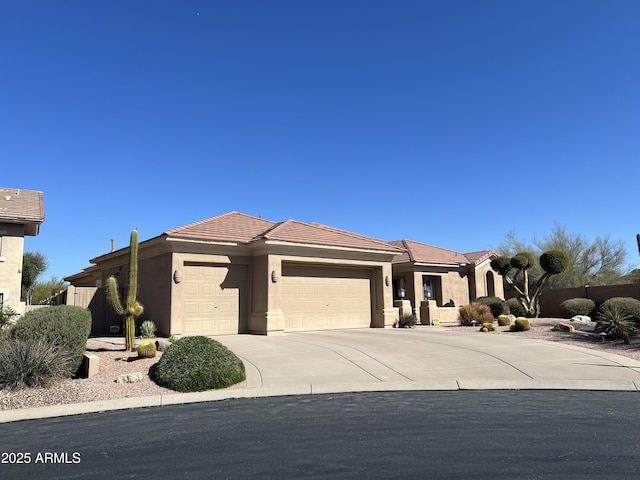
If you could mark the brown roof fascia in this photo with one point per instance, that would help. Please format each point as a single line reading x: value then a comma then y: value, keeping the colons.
x: 25, y: 207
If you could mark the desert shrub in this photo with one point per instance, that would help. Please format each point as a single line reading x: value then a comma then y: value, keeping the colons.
x: 477, y: 312
x: 504, y: 320
x: 554, y: 261
x: 516, y: 308
x: 406, y: 321
x: 615, y: 321
x: 521, y: 324
x: 497, y: 305
x: 148, y: 329
x: 32, y: 362
x: 7, y: 316
x: 628, y: 304
x: 195, y: 364
x: 65, y: 326
x: 577, y: 306
x: 146, y: 349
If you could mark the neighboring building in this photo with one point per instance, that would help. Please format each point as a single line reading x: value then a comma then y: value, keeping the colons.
x: 235, y: 273
x: 437, y: 281
x: 21, y: 214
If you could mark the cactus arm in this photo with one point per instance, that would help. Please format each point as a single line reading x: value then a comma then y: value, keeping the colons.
x: 114, y: 296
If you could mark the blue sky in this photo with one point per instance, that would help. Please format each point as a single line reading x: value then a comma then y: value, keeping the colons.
x: 445, y: 122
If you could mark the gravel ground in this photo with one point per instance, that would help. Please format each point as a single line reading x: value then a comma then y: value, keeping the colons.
x: 115, y: 361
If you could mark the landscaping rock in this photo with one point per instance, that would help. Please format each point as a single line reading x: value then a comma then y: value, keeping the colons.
x: 162, y: 345
x: 581, y: 318
x: 130, y: 377
x: 563, y: 327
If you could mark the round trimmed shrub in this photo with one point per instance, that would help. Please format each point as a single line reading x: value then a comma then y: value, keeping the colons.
x: 497, y: 305
x: 195, y: 364
x: 65, y: 326
x: 516, y: 308
x: 554, y: 261
x: 474, y: 312
x: 523, y: 260
x: 501, y: 265
x: 577, y: 306
x: 629, y: 305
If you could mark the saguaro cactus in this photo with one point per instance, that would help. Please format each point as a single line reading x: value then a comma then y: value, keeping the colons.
x: 133, y: 309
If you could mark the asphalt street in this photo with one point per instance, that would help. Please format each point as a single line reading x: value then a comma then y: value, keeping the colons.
x: 420, y: 434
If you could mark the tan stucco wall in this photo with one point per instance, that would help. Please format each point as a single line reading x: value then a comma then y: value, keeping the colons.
x: 11, y: 253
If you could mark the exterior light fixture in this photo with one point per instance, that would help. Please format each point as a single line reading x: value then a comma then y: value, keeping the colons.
x: 177, y: 276
x: 274, y: 276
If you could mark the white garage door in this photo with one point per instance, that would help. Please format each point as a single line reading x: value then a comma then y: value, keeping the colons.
x: 214, y: 299
x: 320, y: 298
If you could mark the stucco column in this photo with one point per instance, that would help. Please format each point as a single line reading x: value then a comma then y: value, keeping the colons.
x: 266, y: 313
x: 382, y: 286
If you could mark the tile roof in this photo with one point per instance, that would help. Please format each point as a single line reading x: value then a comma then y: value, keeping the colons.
x: 241, y: 228
x: 422, y: 253
x: 230, y: 227
x: 317, y: 234
x: 22, y: 206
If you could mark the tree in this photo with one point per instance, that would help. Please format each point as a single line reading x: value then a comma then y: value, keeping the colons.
x: 597, y: 262
x: 43, y: 291
x: 133, y: 309
x: 33, y: 265
x: 553, y: 262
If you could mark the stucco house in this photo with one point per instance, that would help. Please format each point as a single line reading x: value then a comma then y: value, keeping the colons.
x: 21, y: 214
x: 437, y: 281
x: 236, y: 273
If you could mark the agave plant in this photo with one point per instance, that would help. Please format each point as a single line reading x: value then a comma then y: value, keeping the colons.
x: 615, y: 322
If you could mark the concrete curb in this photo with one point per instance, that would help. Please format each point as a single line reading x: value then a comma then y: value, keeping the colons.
x: 7, y: 416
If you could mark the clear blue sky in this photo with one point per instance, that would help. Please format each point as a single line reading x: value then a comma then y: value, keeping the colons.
x: 445, y: 122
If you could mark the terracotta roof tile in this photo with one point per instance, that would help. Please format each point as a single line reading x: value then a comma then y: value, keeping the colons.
x: 22, y: 206
x: 423, y: 253
x: 230, y: 227
x: 317, y: 234
x: 238, y: 227
x: 480, y: 256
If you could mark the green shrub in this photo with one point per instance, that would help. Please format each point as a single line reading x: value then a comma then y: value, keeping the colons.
x: 615, y: 321
x: 65, y: 326
x: 32, y: 363
x: 195, y: 364
x: 497, y: 305
x: 521, y: 324
x: 554, y: 262
x: 628, y: 304
x: 516, y: 308
x: 475, y: 311
x: 147, y: 329
x: 504, y: 320
x: 7, y: 316
x: 577, y: 306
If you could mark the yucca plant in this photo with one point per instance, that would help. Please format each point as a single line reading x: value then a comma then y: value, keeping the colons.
x: 615, y: 322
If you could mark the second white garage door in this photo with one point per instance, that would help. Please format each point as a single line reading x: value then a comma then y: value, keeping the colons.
x: 321, y: 298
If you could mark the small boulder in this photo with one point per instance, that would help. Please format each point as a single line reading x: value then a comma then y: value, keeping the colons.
x: 563, y: 327
x: 162, y: 345
x: 129, y: 377
x: 581, y: 318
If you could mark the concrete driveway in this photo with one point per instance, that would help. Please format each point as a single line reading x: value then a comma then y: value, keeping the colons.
x: 424, y: 358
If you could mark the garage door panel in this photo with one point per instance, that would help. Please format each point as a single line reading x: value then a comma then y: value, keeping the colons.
x: 214, y: 299
x: 317, y: 298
